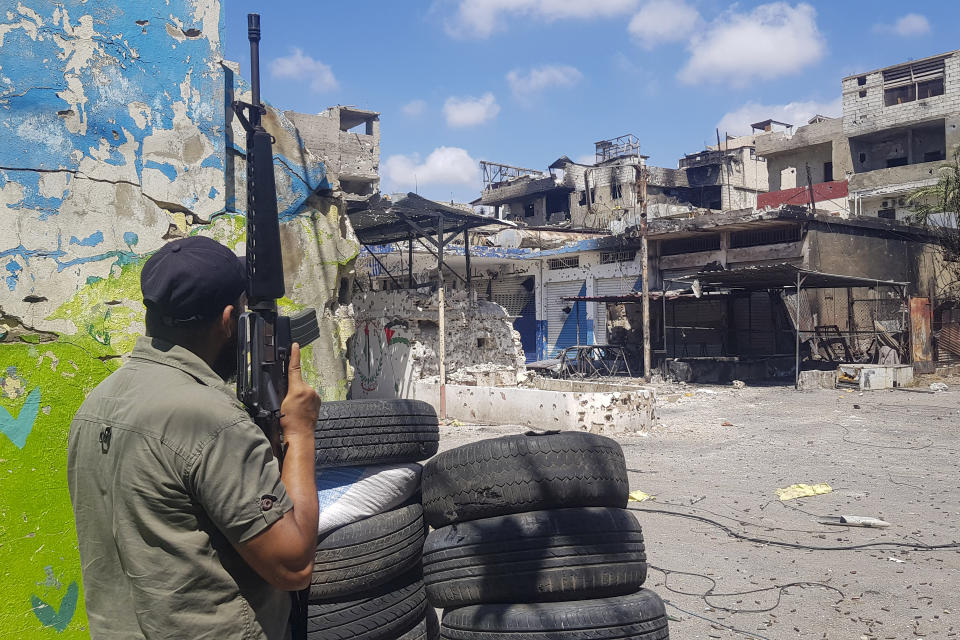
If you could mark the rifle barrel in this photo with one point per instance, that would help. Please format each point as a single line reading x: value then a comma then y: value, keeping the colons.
x: 253, y: 34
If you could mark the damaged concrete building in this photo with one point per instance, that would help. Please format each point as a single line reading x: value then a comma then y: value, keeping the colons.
x: 347, y: 139
x: 603, y: 196
x: 898, y: 125
x: 569, y: 269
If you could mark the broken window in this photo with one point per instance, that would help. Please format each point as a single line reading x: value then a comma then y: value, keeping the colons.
x: 610, y: 257
x: 919, y: 80
x: 828, y: 172
x: 741, y: 239
x: 528, y: 210
x: 583, y: 198
x: 689, y: 245
x: 862, y: 80
x: 616, y: 190
x: 571, y: 262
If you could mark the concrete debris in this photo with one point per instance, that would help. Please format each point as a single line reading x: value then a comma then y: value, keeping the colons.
x: 939, y: 386
x: 739, y: 384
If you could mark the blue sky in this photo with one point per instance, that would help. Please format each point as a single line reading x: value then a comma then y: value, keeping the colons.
x: 525, y: 81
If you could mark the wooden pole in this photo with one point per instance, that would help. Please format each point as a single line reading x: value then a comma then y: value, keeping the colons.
x: 644, y: 272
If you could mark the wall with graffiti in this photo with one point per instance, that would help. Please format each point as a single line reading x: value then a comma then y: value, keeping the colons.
x: 395, y: 343
x: 115, y: 138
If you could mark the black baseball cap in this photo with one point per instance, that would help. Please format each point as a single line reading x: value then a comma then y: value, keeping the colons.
x: 192, y: 279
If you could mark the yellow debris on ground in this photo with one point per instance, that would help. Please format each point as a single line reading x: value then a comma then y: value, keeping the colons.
x: 803, y: 491
x: 639, y: 496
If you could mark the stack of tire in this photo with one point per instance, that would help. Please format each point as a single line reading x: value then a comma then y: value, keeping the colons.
x: 531, y: 539
x: 367, y: 579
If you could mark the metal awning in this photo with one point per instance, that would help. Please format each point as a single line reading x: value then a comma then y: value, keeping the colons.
x: 636, y: 297
x: 411, y: 217
x: 782, y: 276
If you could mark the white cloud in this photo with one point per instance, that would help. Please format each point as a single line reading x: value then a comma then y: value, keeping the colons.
x: 414, y: 108
x: 298, y: 66
x: 480, y: 18
x: 470, y: 111
x: 771, y: 41
x: 796, y: 113
x: 912, y: 24
x: 662, y: 21
x: 527, y: 84
x: 444, y: 166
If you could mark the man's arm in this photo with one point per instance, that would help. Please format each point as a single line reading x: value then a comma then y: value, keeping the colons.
x: 283, y: 554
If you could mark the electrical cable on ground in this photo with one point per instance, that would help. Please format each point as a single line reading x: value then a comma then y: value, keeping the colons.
x: 794, y: 545
x: 717, y: 622
x: 710, y: 593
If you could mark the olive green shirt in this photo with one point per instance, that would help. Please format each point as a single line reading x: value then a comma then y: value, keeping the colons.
x: 167, y: 473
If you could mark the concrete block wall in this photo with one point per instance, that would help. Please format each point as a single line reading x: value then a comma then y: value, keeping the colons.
x: 114, y: 139
x: 865, y: 114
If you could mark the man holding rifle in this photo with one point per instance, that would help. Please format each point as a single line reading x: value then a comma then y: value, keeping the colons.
x: 187, y: 527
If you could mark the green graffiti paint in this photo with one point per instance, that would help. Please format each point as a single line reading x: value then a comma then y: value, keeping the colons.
x: 37, y: 529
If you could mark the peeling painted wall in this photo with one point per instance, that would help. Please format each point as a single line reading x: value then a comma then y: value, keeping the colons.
x: 115, y: 138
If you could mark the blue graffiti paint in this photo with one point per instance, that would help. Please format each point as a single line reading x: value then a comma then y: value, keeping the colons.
x: 18, y: 428
x: 92, y: 240
x: 14, y: 269
x: 213, y: 193
x: 130, y: 238
x: 57, y: 618
x: 165, y: 168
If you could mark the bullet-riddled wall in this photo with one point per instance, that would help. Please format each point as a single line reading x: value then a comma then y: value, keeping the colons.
x: 115, y: 137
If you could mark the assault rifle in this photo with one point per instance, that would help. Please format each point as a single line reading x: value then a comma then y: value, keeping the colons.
x: 264, y: 336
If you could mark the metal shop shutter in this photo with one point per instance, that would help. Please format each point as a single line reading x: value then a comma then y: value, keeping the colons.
x: 511, y: 294
x: 699, y: 328
x: 609, y: 287
x: 561, y: 325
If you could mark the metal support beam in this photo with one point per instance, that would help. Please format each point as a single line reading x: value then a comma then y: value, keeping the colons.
x: 441, y: 324
x: 796, y: 382
x: 383, y: 266
x: 446, y: 266
x: 644, y: 272
x: 410, y: 262
x: 466, y: 256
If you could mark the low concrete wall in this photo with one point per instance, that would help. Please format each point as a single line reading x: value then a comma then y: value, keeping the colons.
x: 873, y: 376
x: 587, y: 386
x: 597, y: 412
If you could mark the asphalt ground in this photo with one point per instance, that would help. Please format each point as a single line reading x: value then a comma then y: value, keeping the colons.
x: 713, y: 464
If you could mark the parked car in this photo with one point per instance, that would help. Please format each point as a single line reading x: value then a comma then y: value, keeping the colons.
x: 585, y: 361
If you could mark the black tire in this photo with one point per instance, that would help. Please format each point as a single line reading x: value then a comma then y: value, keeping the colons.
x: 521, y: 473
x: 364, y: 432
x: 385, y: 613
x: 639, y: 616
x: 541, y: 556
x: 426, y: 629
x: 368, y: 553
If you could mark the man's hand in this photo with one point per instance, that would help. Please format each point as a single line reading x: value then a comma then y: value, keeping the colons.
x: 299, y: 410
x: 284, y: 553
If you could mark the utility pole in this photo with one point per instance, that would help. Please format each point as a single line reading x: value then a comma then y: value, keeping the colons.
x: 813, y: 203
x: 644, y: 271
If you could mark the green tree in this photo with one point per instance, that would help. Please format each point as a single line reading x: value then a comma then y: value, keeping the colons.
x: 937, y: 207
